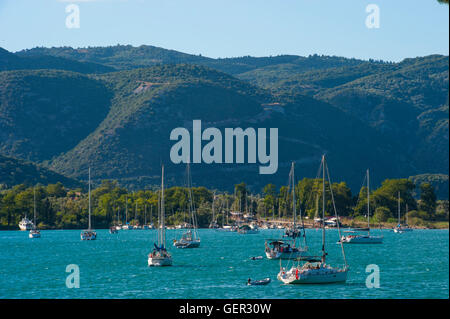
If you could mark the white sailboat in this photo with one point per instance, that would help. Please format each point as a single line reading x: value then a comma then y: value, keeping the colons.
x: 34, y: 232
x: 114, y: 229
x: 136, y: 221
x: 159, y: 256
x: 285, y: 248
x: 213, y: 224
x: 189, y: 239
x: 401, y: 228
x: 89, y: 234
x: 127, y: 225
x: 353, y: 236
x: 317, y: 271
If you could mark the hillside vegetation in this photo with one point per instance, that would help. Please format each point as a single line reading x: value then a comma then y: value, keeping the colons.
x: 113, y: 108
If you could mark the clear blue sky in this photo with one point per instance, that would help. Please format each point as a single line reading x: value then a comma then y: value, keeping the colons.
x: 227, y: 28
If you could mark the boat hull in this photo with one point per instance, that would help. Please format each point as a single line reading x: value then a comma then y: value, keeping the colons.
x: 284, y: 255
x: 402, y: 230
x: 34, y: 234
x: 159, y: 261
x: 26, y: 225
x: 190, y: 244
x: 317, y: 276
x: 88, y: 236
x: 362, y: 240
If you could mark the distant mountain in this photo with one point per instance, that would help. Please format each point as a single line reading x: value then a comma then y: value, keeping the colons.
x: 125, y: 57
x: 15, y: 171
x: 10, y: 61
x: 391, y: 117
x: 120, y: 57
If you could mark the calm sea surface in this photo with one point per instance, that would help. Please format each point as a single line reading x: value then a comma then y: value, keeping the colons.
x: 412, y: 265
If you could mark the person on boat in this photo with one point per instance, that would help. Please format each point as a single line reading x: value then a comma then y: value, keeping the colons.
x: 249, y: 281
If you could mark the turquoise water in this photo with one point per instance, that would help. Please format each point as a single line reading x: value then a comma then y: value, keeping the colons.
x: 412, y: 265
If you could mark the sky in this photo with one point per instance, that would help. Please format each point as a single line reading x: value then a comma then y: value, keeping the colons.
x: 230, y: 28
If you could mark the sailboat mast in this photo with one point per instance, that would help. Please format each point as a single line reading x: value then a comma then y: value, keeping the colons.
x: 399, y: 208
x: 293, y: 194
x: 34, y: 206
x: 323, y: 209
x: 163, y: 226
x: 89, y: 227
x: 135, y: 213
x: 213, y: 211
x: 406, y: 214
x: 145, y: 214
x: 126, y: 209
x: 368, y: 202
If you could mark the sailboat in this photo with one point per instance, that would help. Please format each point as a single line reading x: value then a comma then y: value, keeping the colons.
x: 159, y: 256
x: 118, y: 226
x: 25, y: 224
x: 295, y: 230
x: 145, y: 226
x: 190, y: 238
x: 317, y: 271
x: 136, y: 221
x: 34, y: 232
x: 353, y: 237
x: 288, y: 249
x: 127, y: 225
x: 213, y: 224
x: 114, y: 229
x: 399, y: 228
x: 89, y: 234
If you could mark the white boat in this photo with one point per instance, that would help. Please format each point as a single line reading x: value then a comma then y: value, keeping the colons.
x: 190, y: 239
x: 160, y: 256
x: 187, y: 241
x: 225, y: 228
x: 289, y: 248
x: 354, y: 237
x: 248, y: 229
x: 89, y: 234
x: 34, y: 232
x: 282, y: 249
x: 317, y: 271
x: 313, y: 273
x: 402, y: 228
x: 25, y: 224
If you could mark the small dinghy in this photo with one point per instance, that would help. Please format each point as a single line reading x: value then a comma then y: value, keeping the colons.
x: 262, y: 282
x: 256, y: 257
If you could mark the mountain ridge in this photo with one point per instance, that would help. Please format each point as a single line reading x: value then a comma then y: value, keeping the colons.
x: 399, y: 110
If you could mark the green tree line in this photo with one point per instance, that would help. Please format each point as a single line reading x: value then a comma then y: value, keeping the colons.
x: 61, y: 207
